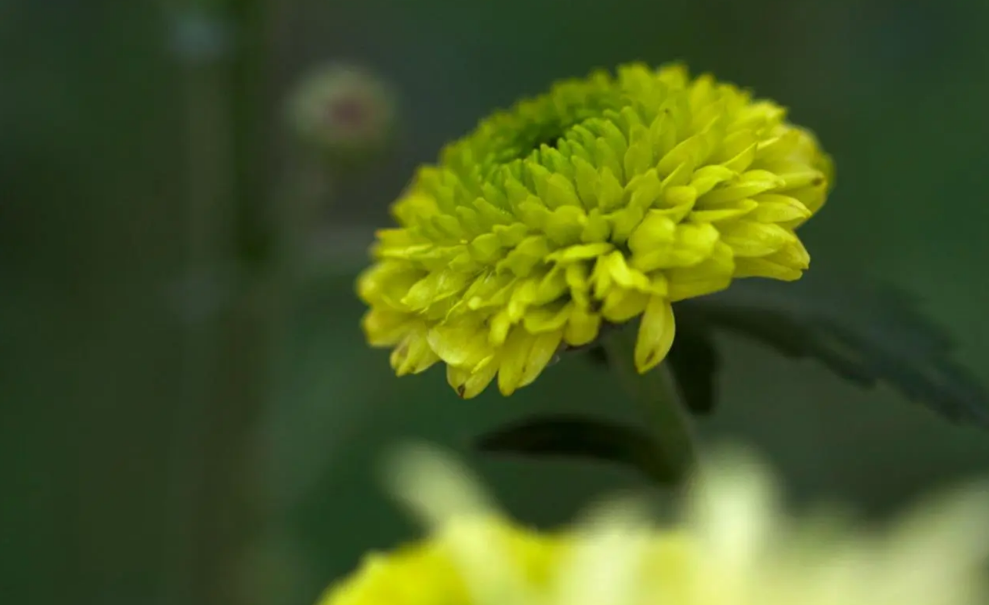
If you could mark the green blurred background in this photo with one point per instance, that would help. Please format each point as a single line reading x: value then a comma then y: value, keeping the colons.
x: 190, y: 412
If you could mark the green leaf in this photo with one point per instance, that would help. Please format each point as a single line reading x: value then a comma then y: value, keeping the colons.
x: 572, y: 436
x: 865, y: 333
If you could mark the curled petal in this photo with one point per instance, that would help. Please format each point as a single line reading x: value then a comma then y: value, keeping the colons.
x: 655, y: 334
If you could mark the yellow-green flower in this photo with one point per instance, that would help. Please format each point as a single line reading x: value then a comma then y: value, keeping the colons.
x: 605, y: 199
x: 734, y: 546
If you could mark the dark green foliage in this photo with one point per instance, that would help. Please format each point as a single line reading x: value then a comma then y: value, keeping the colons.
x: 865, y: 333
x: 573, y: 436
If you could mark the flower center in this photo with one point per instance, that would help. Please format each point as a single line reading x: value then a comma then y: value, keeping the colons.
x: 531, y: 139
x: 551, y: 138
x: 550, y: 119
x: 350, y: 113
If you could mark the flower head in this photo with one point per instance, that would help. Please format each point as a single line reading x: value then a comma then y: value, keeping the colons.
x: 604, y: 200
x: 734, y: 546
x: 343, y: 111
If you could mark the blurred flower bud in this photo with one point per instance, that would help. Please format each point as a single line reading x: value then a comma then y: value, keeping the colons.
x: 344, y: 112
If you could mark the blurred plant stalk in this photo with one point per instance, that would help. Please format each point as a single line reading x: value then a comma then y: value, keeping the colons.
x: 238, y: 247
x: 253, y: 210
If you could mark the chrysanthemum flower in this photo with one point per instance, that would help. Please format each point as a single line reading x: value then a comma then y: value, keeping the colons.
x: 735, y: 546
x: 604, y: 200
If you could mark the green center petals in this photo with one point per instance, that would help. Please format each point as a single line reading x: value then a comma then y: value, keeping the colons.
x: 600, y: 201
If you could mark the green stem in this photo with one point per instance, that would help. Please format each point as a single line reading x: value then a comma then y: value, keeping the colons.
x: 229, y: 353
x: 207, y: 250
x: 656, y: 394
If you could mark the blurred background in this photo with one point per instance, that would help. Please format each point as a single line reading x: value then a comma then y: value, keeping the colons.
x: 190, y: 414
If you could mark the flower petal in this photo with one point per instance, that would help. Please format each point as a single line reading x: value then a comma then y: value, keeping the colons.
x: 655, y: 334
x: 544, y: 348
x: 582, y: 327
x: 469, y: 384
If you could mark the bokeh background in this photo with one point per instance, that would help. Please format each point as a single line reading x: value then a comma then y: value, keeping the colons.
x: 190, y: 414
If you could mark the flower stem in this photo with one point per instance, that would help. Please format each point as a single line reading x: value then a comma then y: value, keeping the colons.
x: 219, y: 492
x: 656, y: 393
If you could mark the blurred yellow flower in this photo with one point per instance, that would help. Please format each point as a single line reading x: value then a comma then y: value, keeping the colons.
x: 429, y: 573
x: 603, y: 200
x: 734, y: 546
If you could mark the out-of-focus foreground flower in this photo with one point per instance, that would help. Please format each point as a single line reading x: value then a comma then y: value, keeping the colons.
x: 734, y: 546
x: 603, y: 200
